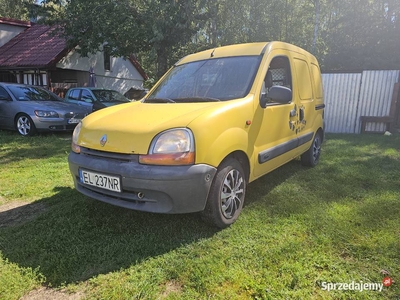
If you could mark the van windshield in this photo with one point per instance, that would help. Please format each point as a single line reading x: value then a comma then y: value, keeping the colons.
x: 216, y: 79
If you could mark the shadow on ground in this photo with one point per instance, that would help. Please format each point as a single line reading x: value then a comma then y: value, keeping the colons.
x: 44, y: 145
x: 71, y: 238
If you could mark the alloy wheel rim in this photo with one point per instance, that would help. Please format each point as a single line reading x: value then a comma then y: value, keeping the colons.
x: 232, y: 193
x: 23, y: 125
x: 316, y: 149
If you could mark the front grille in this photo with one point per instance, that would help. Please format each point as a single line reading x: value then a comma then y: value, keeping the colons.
x: 121, y: 157
x: 74, y: 115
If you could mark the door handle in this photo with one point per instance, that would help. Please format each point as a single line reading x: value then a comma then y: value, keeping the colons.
x: 293, y: 112
x: 301, y: 112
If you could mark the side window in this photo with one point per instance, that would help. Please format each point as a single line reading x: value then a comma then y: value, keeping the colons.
x: 86, y: 96
x: 279, y: 73
x: 74, y: 95
x: 304, y: 79
x: 3, y: 94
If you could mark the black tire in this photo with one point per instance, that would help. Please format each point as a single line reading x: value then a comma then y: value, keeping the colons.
x: 227, y: 193
x: 310, y: 158
x: 24, y: 125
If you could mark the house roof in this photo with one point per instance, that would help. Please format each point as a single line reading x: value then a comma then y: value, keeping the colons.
x: 38, y: 46
x: 35, y: 47
x: 15, y: 22
x: 138, y: 67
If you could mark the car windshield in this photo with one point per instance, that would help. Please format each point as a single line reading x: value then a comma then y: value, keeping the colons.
x: 32, y: 93
x: 216, y: 79
x: 109, y: 96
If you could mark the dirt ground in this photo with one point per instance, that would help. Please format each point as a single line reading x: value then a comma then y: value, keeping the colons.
x: 19, y: 212
x: 50, y: 294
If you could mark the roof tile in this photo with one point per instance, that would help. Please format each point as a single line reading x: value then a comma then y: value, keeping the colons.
x: 37, y: 46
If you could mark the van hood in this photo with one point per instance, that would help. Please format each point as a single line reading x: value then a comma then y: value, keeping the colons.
x: 130, y: 128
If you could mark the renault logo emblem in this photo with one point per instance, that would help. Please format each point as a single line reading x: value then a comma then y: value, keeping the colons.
x: 103, y: 140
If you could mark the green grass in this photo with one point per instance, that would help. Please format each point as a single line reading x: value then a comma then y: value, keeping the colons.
x: 338, y: 222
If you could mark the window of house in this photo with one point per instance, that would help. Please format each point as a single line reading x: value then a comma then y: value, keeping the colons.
x: 107, y: 58
x: 6, y: 76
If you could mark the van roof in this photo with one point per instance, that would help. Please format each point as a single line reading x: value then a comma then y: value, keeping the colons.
x: 239, y: 50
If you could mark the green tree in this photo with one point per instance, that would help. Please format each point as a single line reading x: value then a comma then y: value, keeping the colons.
x: 343, y: 34
x: 363, y: 34
x: 16, y: 9
x: 128, y: 26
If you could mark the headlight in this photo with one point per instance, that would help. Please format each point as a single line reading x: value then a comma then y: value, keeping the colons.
x: 75, y: 135
x: 46, y: 114
x: 171, y: 147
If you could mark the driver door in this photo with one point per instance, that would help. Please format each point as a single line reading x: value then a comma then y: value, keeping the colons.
x: 276, y: 141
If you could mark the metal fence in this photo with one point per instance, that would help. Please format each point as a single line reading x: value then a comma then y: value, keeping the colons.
x: 351, y: 95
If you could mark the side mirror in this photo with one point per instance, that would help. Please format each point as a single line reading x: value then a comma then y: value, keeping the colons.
x: 4, y: 97
x: 276, y: 94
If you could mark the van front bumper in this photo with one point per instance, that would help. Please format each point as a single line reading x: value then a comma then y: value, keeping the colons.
x: 159, y: 189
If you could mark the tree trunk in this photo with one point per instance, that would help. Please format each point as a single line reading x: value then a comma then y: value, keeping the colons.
x: 316, y: 26
x: 162, y: 61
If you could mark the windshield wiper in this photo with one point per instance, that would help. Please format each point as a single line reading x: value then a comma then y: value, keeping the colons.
x: 159, y: 100
x: 198, y: 99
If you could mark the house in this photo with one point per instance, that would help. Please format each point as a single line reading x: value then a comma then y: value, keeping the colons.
x: 32, y: 53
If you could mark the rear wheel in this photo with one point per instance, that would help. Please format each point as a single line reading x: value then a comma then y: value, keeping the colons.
x: 24, y: 125
x: 311, y: 157
x: 227, y: 193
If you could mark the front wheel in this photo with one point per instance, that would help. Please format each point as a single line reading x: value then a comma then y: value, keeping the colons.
x: 24, y: 125
x: 226, y: 197
x: 310, y: 158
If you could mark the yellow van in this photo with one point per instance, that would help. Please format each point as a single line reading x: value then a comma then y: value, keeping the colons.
x: 217, y: 120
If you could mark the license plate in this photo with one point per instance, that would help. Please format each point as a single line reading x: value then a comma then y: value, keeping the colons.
x: 112, y: 183
x: 74, y: 121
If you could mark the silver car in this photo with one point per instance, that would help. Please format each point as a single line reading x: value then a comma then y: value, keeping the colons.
x: 30, y: 109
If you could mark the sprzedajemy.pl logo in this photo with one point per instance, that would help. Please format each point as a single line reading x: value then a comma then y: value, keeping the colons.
x: 356, y: 286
